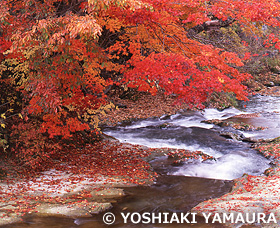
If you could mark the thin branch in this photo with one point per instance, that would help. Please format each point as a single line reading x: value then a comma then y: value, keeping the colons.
x: 4, y: 104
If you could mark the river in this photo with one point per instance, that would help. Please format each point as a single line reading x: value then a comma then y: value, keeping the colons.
x: 187, y: 131
x: 179, y: 188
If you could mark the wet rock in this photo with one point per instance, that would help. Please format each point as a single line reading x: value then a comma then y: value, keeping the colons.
x: 165, y: 117
x: 248, y: 115
x: 108, y: 193
x: 179, y: 157
x: 164, y: 125
x: 256, y: 141
x: 231, y: 135
x: 218, y: 122
x: 72, y: 210
x: 100, y: 207
x: 250, y: 140
x: 236, y: 125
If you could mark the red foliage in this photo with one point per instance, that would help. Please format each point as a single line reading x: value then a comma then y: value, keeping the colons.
x: 57, y: 58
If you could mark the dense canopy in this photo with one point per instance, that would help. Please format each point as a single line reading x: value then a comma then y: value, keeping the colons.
x: 62, y: 56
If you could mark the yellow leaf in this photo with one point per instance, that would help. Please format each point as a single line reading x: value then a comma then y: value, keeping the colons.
x: 20, y: 116
x: 221, y: 80
x: 3, y: 125
x: 3, y: 116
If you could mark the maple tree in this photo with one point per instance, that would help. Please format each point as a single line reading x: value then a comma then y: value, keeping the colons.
x: 64, y: 55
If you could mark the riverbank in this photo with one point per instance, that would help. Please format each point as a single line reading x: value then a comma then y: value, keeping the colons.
x: 88, y: 178
x: 91, y: 178
x: 85, y: 185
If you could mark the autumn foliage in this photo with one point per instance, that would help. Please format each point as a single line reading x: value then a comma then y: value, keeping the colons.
x: 63, y: 56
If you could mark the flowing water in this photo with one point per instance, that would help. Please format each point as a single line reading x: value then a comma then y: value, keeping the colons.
x: 178, y: 189
x: 269, y: 109
x: 187, y: 131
